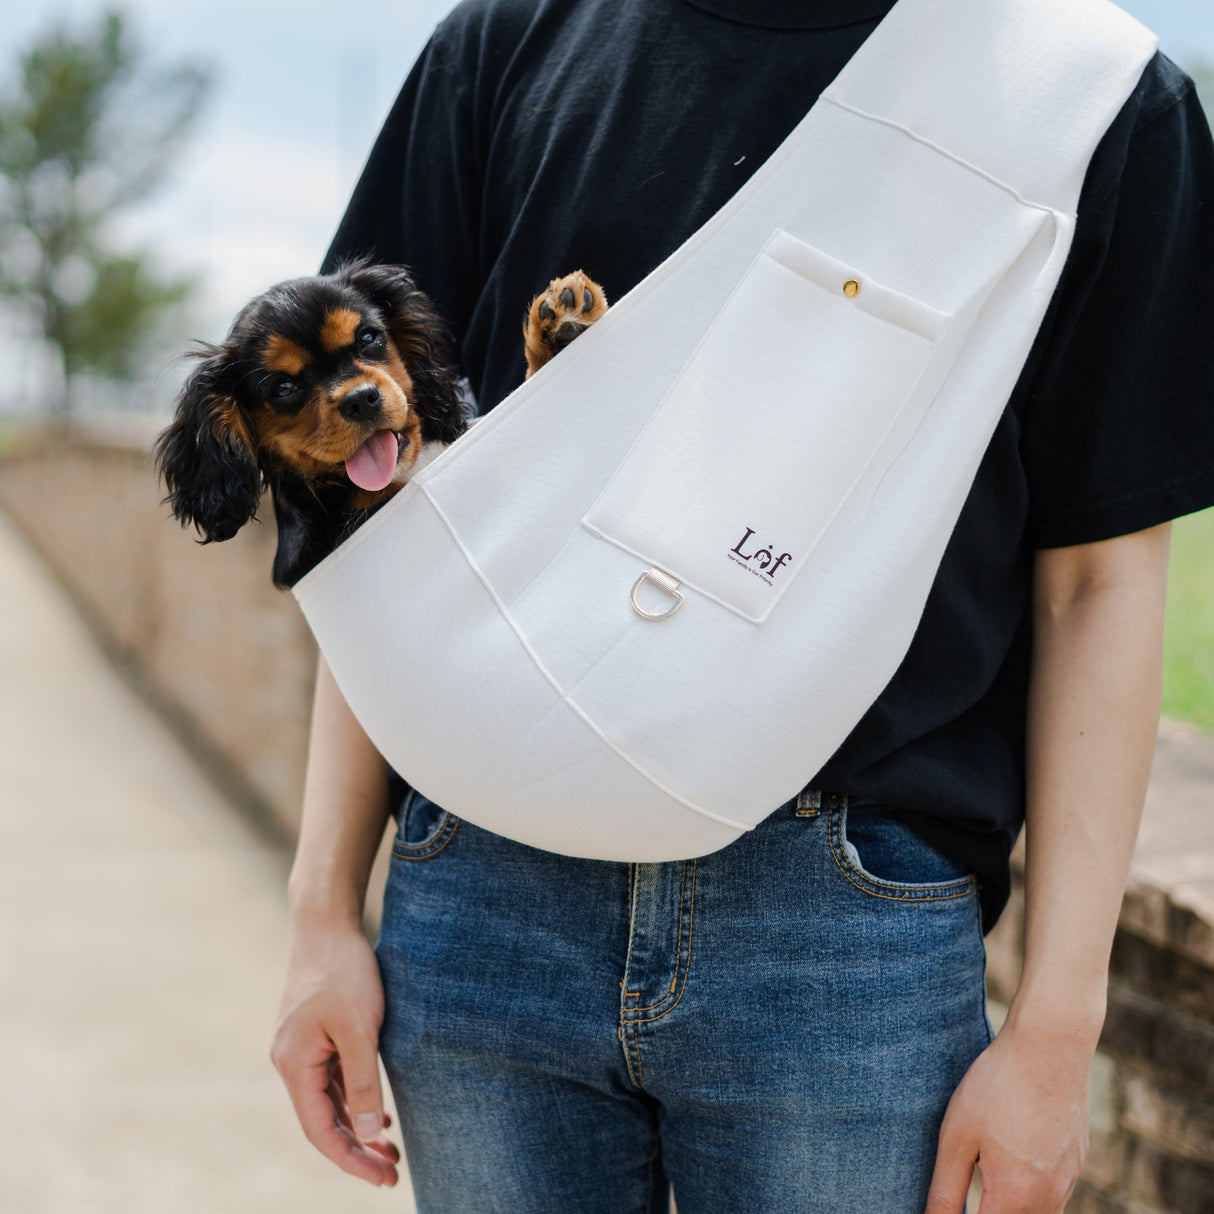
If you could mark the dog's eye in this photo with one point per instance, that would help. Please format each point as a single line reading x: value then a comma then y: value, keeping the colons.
x: 283, y: 388
x: 367, y: 337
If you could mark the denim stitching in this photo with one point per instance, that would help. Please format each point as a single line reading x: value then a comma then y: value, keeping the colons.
x: 686, y: 968
x: 809, y: 802
x: 431, y: 846
x: 632, y: 1049
x: 678, y: 957
x: 632, y: 916
x: 626, y: 1045
x: 678, y: 948
x: 423, y: 851
x: 871, y: 886
x: 627, y: 995
x: 628, y: 1015
x: 636, y: 1038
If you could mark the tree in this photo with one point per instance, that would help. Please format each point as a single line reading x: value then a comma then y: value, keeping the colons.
x: 89, y: 131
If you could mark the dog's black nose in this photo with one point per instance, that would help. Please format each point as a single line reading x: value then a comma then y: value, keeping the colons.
x: 360, y: 404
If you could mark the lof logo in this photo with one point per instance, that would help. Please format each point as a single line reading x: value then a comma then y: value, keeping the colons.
x: 765, y: 562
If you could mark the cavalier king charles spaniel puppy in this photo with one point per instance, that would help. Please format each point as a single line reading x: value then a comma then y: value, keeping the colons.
x: 329, y: 392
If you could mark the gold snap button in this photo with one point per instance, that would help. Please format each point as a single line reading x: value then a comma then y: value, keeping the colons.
x: 851, y: 288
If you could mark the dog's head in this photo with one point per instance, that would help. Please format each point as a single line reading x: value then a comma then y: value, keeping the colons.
x: 323, y: 392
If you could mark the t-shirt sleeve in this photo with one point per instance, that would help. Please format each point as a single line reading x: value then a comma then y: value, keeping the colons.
x: 417, y: 200
x: 1118, y: 429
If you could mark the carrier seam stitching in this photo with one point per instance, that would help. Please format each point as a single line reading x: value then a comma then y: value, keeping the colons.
x: 943, y: 151
x: 564, y: 695
x: 622, y: 307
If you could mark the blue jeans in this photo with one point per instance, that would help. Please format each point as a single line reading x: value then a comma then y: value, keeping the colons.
x: 774, y: 1027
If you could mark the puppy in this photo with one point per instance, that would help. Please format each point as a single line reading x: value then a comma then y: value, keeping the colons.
x: 329, y: 392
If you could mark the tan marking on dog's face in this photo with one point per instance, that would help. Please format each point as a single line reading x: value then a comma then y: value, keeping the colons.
x: 317, y: 439
x: 396, y: 369
x: 339, y: 328
x: 308, y: 441
x: 282, y: 354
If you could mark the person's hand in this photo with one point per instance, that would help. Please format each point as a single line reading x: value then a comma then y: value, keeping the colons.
x: 326, y: 1046
x: 1021, y: 1114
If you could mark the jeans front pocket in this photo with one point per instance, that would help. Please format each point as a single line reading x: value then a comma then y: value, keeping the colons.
x: 424, y: 830
x: 880, y: 854
x: 776, y: 432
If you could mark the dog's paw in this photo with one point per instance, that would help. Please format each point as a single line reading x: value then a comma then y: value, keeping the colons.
x: 558, y: 315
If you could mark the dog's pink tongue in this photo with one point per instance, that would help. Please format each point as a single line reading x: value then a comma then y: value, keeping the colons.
x: 373, y: 465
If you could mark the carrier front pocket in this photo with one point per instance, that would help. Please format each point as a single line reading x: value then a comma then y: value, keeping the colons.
x: 777, y: 430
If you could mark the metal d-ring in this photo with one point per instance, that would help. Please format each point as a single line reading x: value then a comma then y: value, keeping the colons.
x: 665, y: 583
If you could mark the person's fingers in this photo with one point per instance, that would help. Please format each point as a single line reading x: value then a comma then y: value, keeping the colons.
x: 320, y: 1119
x: 955, y: 1159
x: 388, y: 1149
x: 373, y: 1161
x: 338, y: 1094
x: 307, y: 1075
x: 380, y: 1150
x: 358, y: 1080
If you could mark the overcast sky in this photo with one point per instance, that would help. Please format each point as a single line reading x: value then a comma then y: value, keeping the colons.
x: 300, y: 91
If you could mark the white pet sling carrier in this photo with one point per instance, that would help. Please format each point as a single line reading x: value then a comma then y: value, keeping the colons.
x: 640, y: 604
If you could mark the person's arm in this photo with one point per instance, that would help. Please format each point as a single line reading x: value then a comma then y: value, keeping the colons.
x: 326, y: 1043
x: 1021, y: 1112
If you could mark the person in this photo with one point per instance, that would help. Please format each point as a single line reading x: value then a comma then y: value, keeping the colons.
x: 797, y: 1021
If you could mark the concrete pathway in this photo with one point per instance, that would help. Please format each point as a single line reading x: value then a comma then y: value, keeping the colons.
x: 142, y: 938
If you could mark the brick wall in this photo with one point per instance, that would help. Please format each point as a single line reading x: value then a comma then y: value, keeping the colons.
x: 201, y: 628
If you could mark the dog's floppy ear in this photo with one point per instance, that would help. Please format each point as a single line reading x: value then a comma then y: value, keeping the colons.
x: 423, y: 342
x: 206, y: 456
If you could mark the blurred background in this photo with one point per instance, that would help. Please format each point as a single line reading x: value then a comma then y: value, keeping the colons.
x: 160, y: 163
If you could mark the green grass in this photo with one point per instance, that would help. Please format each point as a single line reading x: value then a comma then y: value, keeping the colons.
x: 1188, y: 638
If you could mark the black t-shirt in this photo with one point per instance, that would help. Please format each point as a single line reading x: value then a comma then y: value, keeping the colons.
x: 534, y: 137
